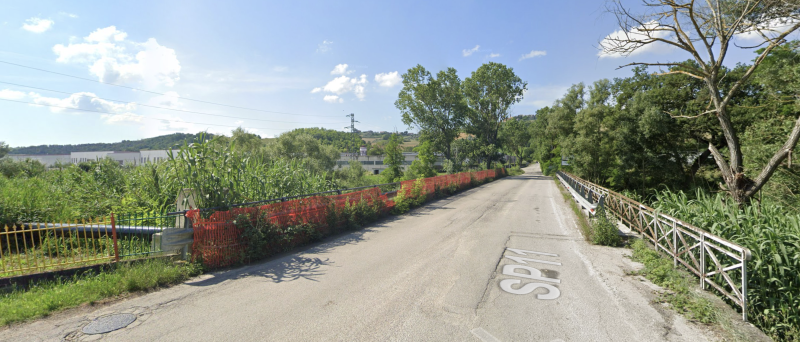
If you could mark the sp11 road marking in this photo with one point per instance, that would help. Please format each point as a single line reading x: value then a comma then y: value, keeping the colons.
x: 532, y: 273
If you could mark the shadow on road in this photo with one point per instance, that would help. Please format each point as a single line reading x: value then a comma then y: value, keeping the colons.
x: 293, y: 265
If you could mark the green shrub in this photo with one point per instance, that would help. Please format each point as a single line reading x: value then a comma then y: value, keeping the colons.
x: 604, y: 229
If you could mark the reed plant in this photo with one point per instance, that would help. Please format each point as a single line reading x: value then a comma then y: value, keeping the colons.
x: 772, y: 234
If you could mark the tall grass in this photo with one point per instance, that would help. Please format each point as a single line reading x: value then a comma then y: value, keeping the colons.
x: 218, y: 173
x: 772, y: 234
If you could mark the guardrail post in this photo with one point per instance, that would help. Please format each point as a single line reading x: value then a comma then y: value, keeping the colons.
x: 114, y: 237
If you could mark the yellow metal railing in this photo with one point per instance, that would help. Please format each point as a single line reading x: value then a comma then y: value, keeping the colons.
x: 37, y: 247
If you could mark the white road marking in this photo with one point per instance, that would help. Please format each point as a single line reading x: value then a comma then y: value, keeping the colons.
x: 552, y: 293
x: 524, y: 252
x: 484, y: 335
x: 533, y: 273
x: 523, y: 260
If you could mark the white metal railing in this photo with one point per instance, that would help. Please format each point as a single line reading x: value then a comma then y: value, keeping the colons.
x: 719, y: 263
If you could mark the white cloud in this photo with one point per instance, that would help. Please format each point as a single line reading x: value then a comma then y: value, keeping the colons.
x: 332, y: 99
x: 533, y: 53
x: 9, y: 94
x: 770, y: 28
x: 388, y: 79
x: 341, y: 69
x: 342, y: 85
x: 68, y: 14
x: 467, y: 52
x: 325, y: 46
x: 494, y: 55
x: 82, y: 100
x: 112, y: 119
x: 635, y: 34
x: 113, y: 58
x: 37, y: 25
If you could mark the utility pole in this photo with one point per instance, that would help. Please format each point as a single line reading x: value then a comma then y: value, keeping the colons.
x: 352, y: 126
x: 352, y: 122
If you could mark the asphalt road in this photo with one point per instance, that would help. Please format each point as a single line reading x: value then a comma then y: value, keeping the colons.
x: 501, y: 262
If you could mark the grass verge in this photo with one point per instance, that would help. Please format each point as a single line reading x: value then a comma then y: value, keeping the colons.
x: 661, y: 272
x: 583, y: 222
x: 45, y: 298
x: 515, y: 171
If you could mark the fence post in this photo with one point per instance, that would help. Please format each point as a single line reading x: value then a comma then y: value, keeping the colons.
x: 703, y: 260
x: 114, y: 237
x: 744, y: 286
x: 675, y: 244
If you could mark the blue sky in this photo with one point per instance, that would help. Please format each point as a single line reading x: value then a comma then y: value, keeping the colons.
x: 298, y: 63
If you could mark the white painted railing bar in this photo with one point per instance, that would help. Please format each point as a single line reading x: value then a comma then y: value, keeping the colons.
x: 688, y: 245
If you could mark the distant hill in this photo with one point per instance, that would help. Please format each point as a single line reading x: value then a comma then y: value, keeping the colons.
x: 342, y: 141
x: 163, y: 142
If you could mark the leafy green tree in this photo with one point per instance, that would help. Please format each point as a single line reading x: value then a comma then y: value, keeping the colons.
x: 515, y: 135
x: 245, y: 142
x: 4, y: 149
x: 423, y: 166
x: 393, y: 159
x: 490, y: 91
x: 434, y: 104
x: 318, y: 157
x: 341, y: 141
x: 706, y: 31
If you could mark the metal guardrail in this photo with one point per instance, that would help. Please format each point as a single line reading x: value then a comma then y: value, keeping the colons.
x: 588, y: 197
x: 718, y: 263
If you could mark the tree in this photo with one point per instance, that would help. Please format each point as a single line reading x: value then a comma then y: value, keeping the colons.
x: 317, y: 156
x: 423, y: 166
x: 490, y: 91
x: 244, y: 141
x: 516, y: 136
x: 706, y: 30
x: 393, y: 159
x: 434, y: 104
x: 4, y: 149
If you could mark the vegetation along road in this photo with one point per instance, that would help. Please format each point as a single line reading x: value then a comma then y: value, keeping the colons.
x: 501, y: 262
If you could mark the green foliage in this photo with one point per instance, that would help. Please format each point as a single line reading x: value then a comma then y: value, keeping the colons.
x: 163, y: 142
x: 773, y: 237
x: 434, y: 104
x: 604, y: 229
x: 490, y: 91
x: 515, y: 135
x: 660, y: 271
x: 405, y: 202
x: 221, y: 175
x: 303, y: 148
x: 393, y: 159
x: 23, y: 168
x: 44, y: 298
x: 341, y: 141
x: 4, y: 149
x: 423, y: 166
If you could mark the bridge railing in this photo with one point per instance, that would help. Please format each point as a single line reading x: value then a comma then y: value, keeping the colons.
x: 718, y: 262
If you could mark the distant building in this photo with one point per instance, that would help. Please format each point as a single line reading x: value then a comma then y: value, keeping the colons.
x: 122, y: 157
x: 374, y: 164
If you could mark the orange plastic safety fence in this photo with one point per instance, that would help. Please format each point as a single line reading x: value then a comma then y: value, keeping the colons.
x: 218, y: 242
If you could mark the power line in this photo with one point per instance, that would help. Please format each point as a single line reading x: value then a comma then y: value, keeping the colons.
x: 144, y: 117
x: 155, y: 92
x: 158, y: 107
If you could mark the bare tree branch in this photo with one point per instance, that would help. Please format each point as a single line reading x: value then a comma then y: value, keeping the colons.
x: 776, y: 160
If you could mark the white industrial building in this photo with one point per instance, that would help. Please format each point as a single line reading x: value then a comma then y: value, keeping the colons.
x: 123, y: 158
x: 373, y: 164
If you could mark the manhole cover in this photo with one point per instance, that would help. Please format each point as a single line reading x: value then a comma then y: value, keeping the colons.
x: 102, y: 325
